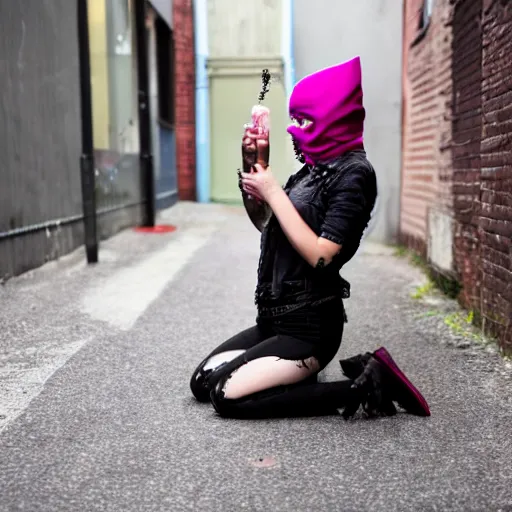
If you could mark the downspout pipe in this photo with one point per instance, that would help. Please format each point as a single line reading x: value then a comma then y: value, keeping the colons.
x: 287, y: 43
x: 292, y: 47
x: 202, y: 102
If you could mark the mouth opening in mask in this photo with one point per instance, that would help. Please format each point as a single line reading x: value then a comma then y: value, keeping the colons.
x: 298, y: 153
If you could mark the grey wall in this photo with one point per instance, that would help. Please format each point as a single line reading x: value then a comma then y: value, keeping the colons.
x: 239, y: 28
x: 39, y: 130
x: 327, y: 32
x: 40, y: 137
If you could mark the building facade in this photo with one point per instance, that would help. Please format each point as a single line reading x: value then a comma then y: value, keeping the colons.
x: 40, y: 198
x: 326, y: 33
x: 243, y: 38
x: 456, y: 207
x: 282, y: 35
x: 45, y: 117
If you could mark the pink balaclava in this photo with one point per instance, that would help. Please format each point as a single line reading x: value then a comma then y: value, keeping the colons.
x: 328, y: 106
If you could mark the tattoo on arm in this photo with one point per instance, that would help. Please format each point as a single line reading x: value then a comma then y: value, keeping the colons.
x: 320, y: 263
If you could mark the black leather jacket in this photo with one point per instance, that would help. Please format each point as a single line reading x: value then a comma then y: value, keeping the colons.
x: 336, y: 200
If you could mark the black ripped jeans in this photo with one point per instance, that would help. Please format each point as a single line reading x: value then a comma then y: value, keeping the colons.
x: 296, y: 335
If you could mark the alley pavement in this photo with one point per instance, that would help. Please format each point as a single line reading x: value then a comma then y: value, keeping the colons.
x: 96, y: 412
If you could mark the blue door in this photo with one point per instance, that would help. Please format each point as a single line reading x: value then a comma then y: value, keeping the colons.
x: 167, y: 181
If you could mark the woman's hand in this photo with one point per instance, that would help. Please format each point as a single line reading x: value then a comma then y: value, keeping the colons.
x: 260, y: 183
x: 255, y: 151
x: 255, y: 148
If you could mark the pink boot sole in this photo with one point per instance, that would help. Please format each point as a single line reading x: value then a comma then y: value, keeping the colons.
x: 408, y: 396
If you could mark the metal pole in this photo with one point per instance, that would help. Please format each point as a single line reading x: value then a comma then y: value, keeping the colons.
x: 87, y: 157
x: 146, y: 157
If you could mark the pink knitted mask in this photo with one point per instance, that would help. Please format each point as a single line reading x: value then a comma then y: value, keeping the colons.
x: 327, y: 108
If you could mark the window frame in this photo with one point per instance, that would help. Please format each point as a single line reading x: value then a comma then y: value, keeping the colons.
x: 165, y: 63
x: 424, y: 20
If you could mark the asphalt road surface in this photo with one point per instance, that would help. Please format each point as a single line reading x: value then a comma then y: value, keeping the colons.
x: 96, y: 413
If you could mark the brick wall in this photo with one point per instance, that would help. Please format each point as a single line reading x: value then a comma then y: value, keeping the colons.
x: 183, y: 21
x: 457, y: 140
x: 466, y: 133
x: 426, y: 167
x: 495, y: 221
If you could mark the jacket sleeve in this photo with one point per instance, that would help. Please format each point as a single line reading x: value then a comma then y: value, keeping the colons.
x: 348, y: 211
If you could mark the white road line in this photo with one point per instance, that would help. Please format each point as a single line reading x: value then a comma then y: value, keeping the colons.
x: 124, y: 297
x: 119, y: 300
x: 21, y: 382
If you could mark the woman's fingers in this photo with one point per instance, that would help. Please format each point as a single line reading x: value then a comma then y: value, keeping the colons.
x: 263, y: 148
x: 252, y: 192
x: 249, y: 180
x: 249, y: 188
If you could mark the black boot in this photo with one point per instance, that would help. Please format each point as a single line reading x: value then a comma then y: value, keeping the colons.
x: 375, y: 396
x: 398, y: 386
x: 383, y: 383
x: 354, y: 366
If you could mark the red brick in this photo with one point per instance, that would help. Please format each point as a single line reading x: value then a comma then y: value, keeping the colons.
x: 462, y: 148
x: 185, y: 98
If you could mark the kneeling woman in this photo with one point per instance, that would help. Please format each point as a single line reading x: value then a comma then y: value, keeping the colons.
x: 315, y: 225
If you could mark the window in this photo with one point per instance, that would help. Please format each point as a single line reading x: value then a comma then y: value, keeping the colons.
x: 425, y: 14
x: 165, y: 70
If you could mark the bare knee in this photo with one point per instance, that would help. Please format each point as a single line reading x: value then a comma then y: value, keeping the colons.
x: 268, y: 372
x: 259, y: 375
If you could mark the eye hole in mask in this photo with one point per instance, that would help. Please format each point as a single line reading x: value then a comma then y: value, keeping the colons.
x: 301, y: 122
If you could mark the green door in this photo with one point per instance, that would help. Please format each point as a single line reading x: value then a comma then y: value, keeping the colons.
x: 234, y: 87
